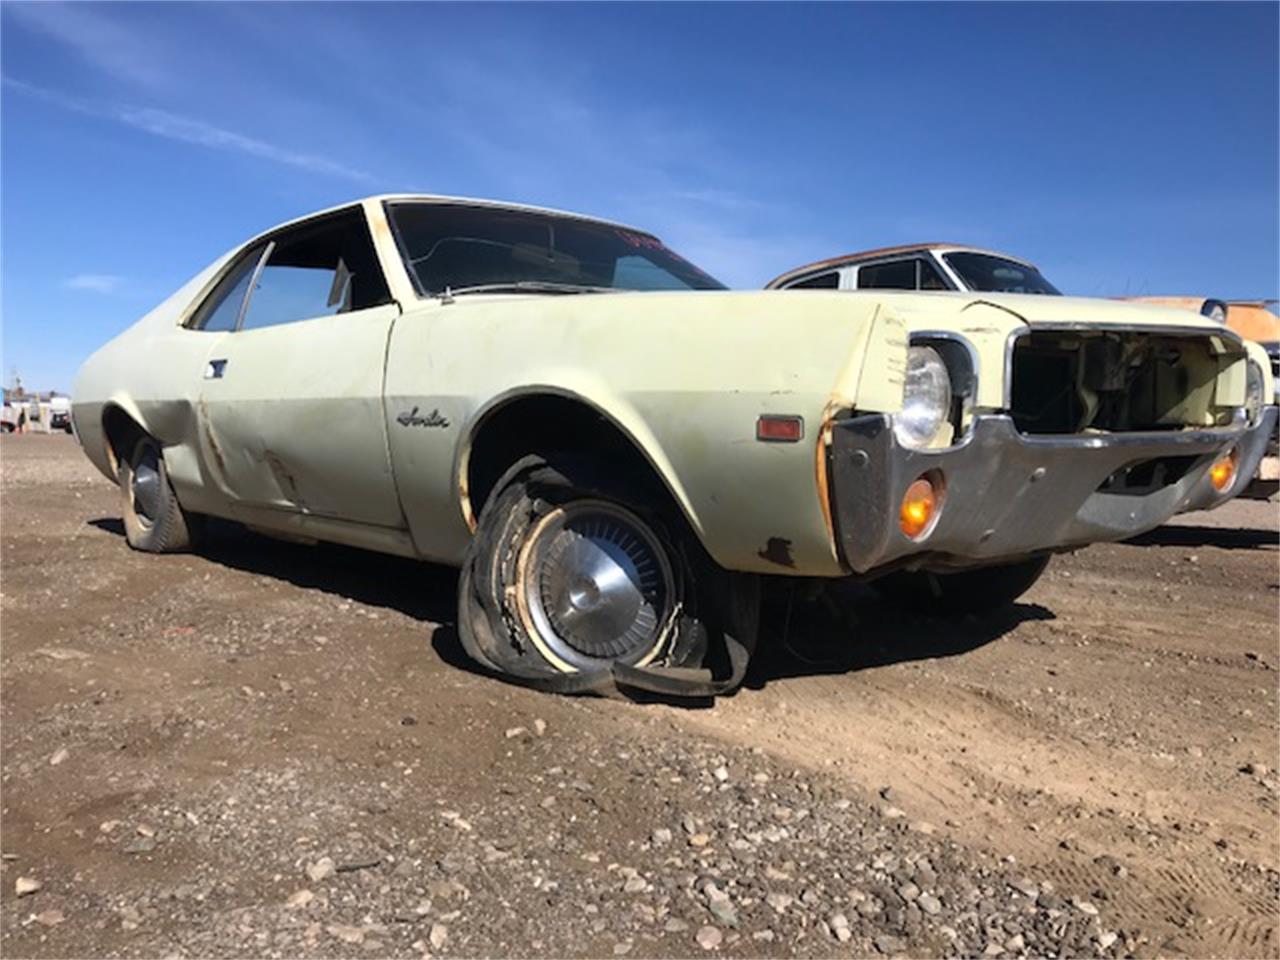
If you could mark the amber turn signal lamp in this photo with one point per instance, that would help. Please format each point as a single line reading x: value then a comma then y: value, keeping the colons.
x: 919, y: 507
x: 1223, y: 471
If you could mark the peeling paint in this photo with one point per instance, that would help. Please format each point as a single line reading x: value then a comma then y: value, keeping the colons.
x: 778, y: 550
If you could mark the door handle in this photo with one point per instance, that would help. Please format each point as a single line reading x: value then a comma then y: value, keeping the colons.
x: 213, y: 370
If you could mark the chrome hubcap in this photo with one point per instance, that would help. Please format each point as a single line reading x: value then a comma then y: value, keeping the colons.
x: 597, y: 584
x: 144, y: 486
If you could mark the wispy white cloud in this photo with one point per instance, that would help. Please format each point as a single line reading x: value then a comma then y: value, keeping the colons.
x: 187, y: 130
x: 172, y: 126
x: 98, y: 39
x: 97, y: 282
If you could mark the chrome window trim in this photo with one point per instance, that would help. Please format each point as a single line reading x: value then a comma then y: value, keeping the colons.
x: 253, y: 285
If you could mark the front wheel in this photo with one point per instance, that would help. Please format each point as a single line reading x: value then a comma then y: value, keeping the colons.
x: 968, y: 591
x: 574, y: 582
x: 154, y: 521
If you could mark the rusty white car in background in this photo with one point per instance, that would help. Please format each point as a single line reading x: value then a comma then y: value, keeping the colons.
x: 919, y: 266
x: 615, y: 450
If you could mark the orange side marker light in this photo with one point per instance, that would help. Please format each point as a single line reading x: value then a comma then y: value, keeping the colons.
x: 1223, y: 471
x: 919, y: 508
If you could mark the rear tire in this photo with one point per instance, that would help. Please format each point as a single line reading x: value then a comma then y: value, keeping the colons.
x: 968, y: 591
x: 154, y: 521
x: 574, y: 582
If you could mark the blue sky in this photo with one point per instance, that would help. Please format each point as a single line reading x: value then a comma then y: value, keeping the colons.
x: 1125, y: 148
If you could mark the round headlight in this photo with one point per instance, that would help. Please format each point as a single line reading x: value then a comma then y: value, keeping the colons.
x: 1215, y: 310
x: 1253, y: 398
x: 926, y: 398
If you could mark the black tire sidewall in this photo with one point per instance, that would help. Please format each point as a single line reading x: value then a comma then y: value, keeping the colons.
x: 169, y: 531
x: 490, y: 624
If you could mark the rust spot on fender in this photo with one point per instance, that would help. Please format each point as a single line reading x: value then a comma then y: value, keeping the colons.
x: 284, y: 479
x: 203, y: 420
x: 822, y: 480
x: 778, y: 550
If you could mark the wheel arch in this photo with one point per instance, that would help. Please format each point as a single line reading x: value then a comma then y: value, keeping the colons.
x: 121, y: 423
x: 549, y: 418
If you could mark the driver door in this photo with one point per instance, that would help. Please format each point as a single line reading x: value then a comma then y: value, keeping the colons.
x: 292, y: 396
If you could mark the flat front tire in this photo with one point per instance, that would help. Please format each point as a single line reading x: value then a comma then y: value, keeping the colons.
x: 154, y: 521
x: 574, y: 582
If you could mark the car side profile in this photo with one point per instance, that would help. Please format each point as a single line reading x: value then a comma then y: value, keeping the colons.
x: 615, y: 450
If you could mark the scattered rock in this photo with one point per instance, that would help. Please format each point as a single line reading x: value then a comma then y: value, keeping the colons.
x: 709, y: 938
x: 779, y: 901
x: 61, y: 653
x: 345, y: 933
x: 351, y: 866
x: 721, y: 906
x: 58, y: 756
x: 300, y: 900
x: 1085, y: 907
x: 50, y: 918
x: 25, y: 886
x: 839, y: 925
x: 322, y: 869
x: 439, y: 934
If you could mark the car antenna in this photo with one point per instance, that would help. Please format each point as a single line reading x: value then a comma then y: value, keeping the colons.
x: 446, y: 298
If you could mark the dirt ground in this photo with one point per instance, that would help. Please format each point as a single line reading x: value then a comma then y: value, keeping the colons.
x: 271, y: 750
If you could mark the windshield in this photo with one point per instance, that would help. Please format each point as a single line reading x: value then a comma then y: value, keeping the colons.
x: 458, y: 247
x: 985, y: 273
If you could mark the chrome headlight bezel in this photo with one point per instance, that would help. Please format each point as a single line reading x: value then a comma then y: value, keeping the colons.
x: 926, y: 399
x: 1254, y: 384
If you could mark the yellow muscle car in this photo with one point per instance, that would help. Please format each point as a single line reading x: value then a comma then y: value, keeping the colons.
x: 615, y: 449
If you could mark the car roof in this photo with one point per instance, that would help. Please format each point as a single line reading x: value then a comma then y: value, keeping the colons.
x: 445, y: 199
x: 878, y: 252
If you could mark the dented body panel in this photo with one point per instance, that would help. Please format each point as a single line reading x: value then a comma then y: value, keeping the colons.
x: 358, y: 427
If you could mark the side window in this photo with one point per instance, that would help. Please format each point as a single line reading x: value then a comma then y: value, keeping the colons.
x: 317, y: 270
x: 823, y: 281
x: 893, y: 275
x: 221, y: 308
x: 913, y: 274
x: 930, y: 278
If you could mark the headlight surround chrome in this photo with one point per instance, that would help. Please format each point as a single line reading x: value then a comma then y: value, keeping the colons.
x: 926, y: 398
x: 1253, y: 398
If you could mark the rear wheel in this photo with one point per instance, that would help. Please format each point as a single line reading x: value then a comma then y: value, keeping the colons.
x: 575, y: 583
x: 967, y: 591
x: 153, y: 519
